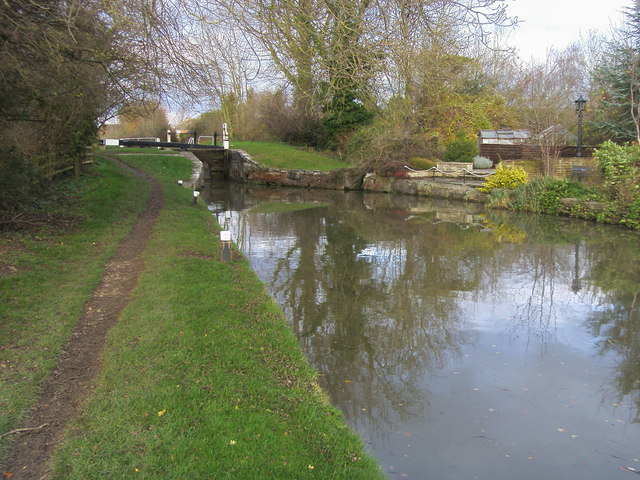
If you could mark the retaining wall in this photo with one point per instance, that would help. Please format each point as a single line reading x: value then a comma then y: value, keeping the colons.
x: 242, y: 168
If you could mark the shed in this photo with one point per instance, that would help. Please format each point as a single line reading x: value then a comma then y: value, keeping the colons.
x: 504, y: 137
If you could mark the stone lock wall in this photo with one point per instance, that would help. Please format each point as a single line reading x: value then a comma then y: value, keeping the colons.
x: 242, y: 168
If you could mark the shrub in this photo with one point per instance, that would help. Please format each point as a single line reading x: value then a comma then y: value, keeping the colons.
x: 419, y: 163
x: 390, y: 169
x: 620, y: 168
x: 549, y: 198
x: 381, y: 142
x: 462, y: 149
x: 543, y: 195
x: 505, y: 177
x: 17, y: 180
x: 482, y: 162
x: 631, y: 217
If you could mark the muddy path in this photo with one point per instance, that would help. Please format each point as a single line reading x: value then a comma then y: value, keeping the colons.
x: 80, y: 360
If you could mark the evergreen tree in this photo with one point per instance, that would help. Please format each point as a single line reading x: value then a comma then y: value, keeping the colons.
x: 617, y: 82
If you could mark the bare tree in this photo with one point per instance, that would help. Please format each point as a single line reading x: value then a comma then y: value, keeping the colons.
x: 544, y: 95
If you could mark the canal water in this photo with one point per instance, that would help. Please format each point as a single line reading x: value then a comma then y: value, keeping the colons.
x: 460, y: 343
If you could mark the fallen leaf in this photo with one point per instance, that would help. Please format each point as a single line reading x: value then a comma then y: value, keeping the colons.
x: 162, y: 412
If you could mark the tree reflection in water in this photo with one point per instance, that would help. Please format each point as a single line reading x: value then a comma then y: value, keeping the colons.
x: 385, y: 292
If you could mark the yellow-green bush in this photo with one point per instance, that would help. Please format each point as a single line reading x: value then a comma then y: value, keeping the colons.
x: 505, y: 177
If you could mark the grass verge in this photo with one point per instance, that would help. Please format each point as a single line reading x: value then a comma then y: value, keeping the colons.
x: 202, y: 378
x: 48, y: 270
x: 279, y: 155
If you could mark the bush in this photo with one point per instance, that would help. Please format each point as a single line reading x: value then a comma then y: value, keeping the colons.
x: 419, y: 163
x: 391, y: 168
x: 543, y: 195
x: 482, y: 162
x: 549, y: 198
x: 620, y: 168
x: 505, y: 177
x: 17, y: 180
x: 382, y: 142
x: 462, y: 149
x: 631, y: 217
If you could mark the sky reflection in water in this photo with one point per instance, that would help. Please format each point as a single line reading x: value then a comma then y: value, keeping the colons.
x: 460, y: 343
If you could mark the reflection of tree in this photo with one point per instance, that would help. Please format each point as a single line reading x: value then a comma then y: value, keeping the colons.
x: 618, y: 325
x: 603, y: 262
x: 536, y: 277
x: 373, y: 314
x: 377, y: 300
x: 538, y: 311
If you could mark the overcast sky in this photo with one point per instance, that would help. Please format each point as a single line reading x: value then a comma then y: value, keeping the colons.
x: 557, y: 23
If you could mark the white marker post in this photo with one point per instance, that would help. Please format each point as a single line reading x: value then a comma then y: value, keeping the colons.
x: 225, y: 137
x: 225, y: 238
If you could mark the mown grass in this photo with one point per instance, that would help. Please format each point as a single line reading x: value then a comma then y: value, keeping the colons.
x: 50, y: 270
x: 280, y: 155
x: 202, y: 378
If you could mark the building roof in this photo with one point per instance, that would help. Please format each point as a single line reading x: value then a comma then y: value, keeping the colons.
x: 506, y: 134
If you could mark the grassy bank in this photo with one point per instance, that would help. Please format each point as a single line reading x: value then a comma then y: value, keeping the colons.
x: 48, y: 268
x: 279, y: 155
x: 202, y: 378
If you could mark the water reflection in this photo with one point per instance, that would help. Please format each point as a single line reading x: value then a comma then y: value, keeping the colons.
x: 460, y: 343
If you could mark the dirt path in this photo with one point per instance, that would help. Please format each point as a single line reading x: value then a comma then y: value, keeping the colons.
x: 72, y: 380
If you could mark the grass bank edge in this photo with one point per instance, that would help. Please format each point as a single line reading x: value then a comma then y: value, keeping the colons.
x: 202, y: 376
x: 54, y: 272
x: 280, y: 155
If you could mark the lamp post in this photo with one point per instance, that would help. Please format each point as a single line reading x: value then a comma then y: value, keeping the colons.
x: 580, y: 104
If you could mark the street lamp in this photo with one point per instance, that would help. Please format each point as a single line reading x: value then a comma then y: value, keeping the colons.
x: 580, y: 104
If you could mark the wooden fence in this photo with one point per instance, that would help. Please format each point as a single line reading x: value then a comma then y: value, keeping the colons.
x: 497, y: 152
x: 566, y: 167
x: 64, y: 165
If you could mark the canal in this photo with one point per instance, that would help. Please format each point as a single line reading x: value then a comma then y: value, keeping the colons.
x: 460, y: 343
